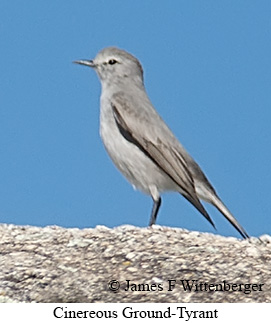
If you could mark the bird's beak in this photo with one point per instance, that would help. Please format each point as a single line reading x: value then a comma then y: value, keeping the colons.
x: 86, y: 62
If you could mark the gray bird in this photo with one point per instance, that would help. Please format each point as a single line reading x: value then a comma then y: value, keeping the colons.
x: 139, y: 142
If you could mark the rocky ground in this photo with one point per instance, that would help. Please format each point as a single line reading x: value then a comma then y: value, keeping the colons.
x: 131, y: 264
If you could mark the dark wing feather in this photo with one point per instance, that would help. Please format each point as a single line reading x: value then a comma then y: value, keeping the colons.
x: 149, y: 140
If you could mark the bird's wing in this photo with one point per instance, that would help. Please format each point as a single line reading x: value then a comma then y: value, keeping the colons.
x: 156, y: 142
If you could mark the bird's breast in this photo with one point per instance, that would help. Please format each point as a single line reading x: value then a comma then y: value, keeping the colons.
x: 138, y: 168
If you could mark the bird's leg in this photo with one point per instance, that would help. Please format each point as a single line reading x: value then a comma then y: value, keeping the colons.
x: 155, y: 209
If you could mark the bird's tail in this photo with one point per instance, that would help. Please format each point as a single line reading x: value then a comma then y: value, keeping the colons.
x: 196, y: 202
x: 227, y: 214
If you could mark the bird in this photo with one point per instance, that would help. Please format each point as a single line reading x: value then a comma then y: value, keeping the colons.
x: 139, y: 142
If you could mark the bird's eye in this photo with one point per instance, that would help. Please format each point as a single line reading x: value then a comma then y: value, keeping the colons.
x: 112, y: 61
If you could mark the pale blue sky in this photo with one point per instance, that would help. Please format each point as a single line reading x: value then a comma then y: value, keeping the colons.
x: 207, y: 71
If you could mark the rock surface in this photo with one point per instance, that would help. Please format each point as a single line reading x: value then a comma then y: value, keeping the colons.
x: 55, y: 264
